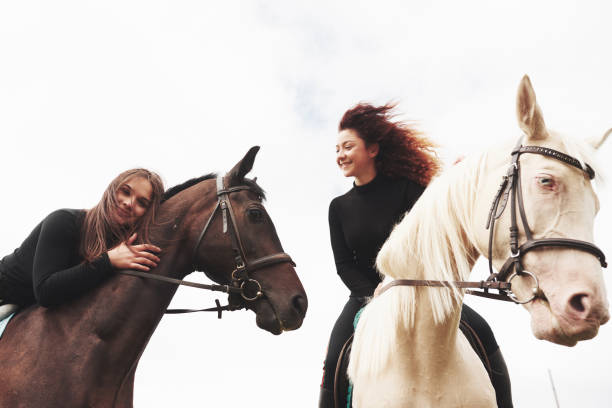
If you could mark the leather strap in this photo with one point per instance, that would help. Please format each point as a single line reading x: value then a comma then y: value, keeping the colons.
x: 566, y: 243
x: 219, y: 309
x: 477, y: 345
x: 486, y: 285
x: 270, y: 260
x: 545, y: 151
x: 213, y: 287
x: 346, y: 348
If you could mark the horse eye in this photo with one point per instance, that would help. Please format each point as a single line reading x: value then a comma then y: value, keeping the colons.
x: 547, y: 181
x: 255, y: 215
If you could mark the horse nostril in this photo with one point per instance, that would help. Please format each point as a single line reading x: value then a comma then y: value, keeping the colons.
x: 579, y: 303
x: 300, y: 304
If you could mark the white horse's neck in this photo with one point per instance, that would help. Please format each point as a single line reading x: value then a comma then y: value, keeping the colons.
x: 433, y: 366
x: 424, y: 361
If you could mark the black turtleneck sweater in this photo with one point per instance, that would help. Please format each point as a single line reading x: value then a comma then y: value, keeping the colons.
x: 47, y: 268
x: 360, y: 222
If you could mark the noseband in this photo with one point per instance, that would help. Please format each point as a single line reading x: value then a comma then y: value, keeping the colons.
x: 240, y: 281
x: 510, y: 187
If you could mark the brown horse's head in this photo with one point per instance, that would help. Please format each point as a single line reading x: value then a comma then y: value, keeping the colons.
x: 244, y: 233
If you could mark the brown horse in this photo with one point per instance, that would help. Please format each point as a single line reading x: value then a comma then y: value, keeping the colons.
x: 85, y: 353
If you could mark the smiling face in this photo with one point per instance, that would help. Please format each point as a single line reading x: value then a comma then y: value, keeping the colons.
x: 133, y: 200
x: 355, y: 158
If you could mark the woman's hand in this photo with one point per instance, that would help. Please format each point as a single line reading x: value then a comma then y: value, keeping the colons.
x: 128, y: 256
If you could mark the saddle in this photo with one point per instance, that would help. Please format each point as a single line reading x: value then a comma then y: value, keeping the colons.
x: 343, y: 389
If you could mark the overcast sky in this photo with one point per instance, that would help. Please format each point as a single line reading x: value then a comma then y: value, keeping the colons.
x: 88, y: 89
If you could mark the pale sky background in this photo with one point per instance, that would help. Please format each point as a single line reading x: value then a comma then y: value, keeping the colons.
x: 90, y: 88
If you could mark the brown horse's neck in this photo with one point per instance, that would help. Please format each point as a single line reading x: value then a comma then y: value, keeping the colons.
x: 145, y: 300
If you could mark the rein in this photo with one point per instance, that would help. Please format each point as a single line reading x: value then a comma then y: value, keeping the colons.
x: 510, y: 187
x: 248, y: 288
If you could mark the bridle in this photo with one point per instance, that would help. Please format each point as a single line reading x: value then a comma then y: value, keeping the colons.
x: 510, y: 187
x: 241, y: 282
x: 250, y: 289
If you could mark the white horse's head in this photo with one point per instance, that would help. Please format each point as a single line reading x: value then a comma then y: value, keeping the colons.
x: 559, y: 202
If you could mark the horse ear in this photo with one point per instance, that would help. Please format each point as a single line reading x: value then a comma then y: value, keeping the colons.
x: 596, y: 142
x: 528, y: 112
x: 236, y: 174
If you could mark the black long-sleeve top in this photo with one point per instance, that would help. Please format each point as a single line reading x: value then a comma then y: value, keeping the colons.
x: 47, y: 268
x: 360, y: 222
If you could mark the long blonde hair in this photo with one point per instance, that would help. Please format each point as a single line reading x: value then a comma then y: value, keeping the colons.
x: 99, y: 232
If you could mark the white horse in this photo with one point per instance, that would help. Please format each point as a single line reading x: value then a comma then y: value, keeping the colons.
x: 407, y: 349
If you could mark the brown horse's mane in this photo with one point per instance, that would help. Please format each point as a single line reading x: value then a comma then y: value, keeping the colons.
x: 171, y: 192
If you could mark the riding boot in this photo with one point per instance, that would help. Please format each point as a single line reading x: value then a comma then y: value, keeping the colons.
x: 326, y: 398
x: 501, y: 380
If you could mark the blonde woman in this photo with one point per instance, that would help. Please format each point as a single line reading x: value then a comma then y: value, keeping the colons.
x: 71, y: 252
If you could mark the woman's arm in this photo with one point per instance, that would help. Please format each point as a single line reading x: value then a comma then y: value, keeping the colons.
x: 55, y: 277
x: 411, y: 194
x: 346, y: 266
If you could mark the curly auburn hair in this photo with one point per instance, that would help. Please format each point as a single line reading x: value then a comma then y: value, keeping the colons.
x: 403, y: 151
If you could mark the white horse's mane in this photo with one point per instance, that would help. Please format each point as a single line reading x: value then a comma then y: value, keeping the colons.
x: 435, y: 240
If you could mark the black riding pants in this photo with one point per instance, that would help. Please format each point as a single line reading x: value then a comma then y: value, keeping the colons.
x: 344, y: 328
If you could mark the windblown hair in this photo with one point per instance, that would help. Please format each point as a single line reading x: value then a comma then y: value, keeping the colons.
x: 403, y: 151
x: 101, y: 233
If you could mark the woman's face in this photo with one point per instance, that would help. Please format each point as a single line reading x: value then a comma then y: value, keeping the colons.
x: 353, y: 156
x: 133, y: 200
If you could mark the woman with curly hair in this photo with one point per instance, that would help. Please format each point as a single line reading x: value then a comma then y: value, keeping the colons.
x: 391, y: 164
